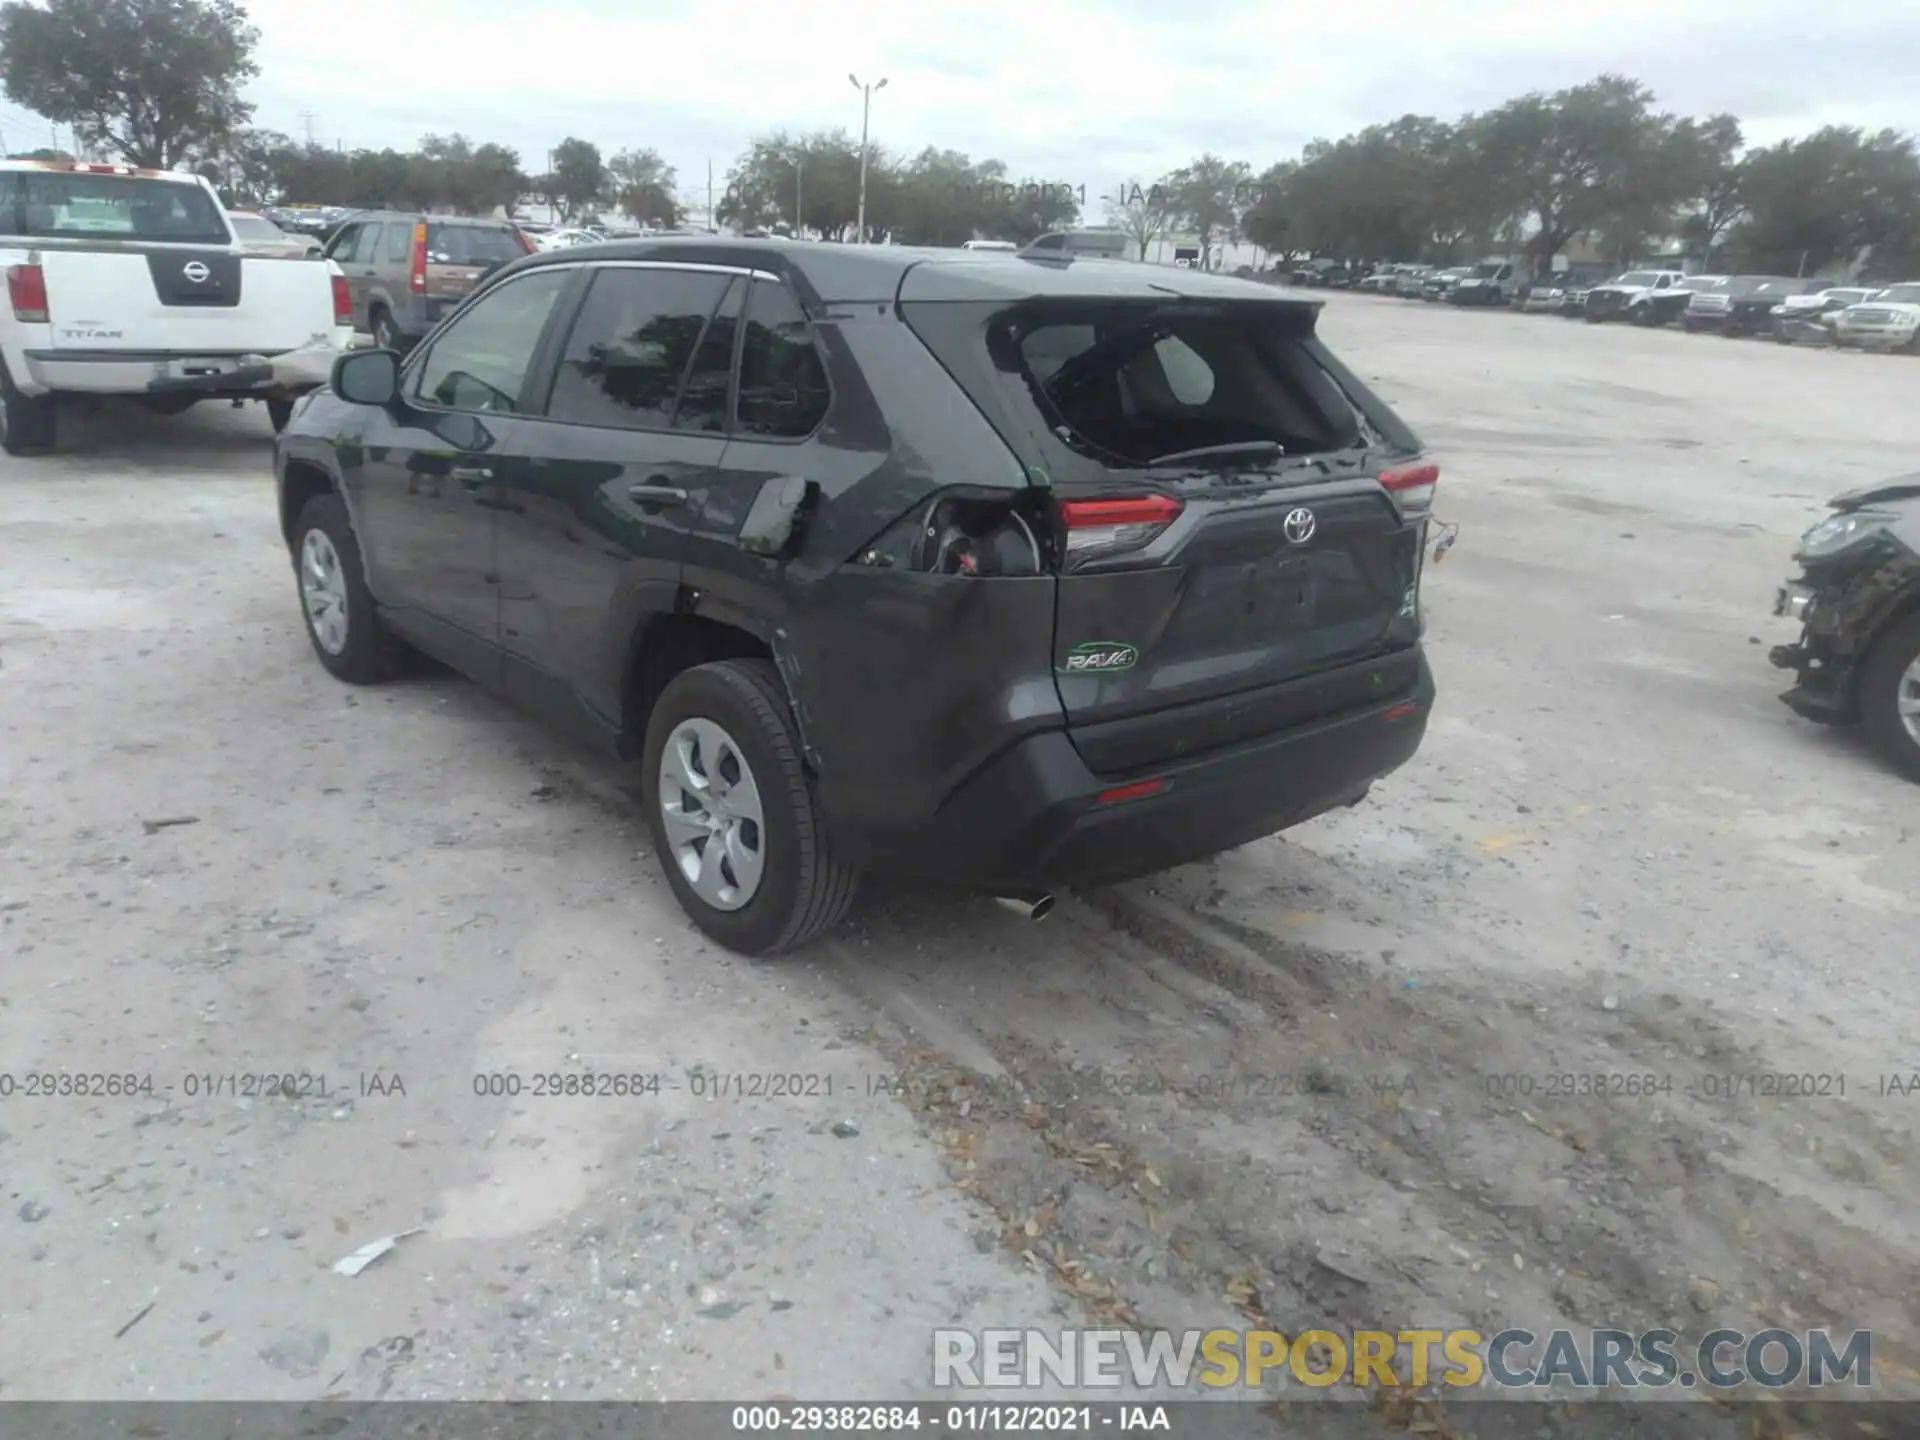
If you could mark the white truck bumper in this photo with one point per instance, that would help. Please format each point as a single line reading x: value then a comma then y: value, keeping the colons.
x: 148, y: 372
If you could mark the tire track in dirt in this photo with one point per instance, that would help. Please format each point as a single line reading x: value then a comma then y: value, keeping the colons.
x: 1203, y: 1125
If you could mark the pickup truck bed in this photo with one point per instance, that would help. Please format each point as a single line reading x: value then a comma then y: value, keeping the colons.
x: 132, y: 282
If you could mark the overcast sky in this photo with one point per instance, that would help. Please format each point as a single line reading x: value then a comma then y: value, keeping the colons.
x: 1070, y: 91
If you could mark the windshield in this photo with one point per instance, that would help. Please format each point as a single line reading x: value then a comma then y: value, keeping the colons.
x: 130, y: 207
x: 472, y: 244
x: 1634, y: 277
x: 252, y: 227
x: 1483, y: 272
x: 1900, y: 294
x: 1703, y: 282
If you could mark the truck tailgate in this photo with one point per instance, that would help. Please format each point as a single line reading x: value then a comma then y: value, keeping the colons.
x: 183, y: 300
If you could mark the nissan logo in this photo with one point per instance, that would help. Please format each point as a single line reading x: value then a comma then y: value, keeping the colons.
x: 195, y: 271
x: 1300, y: 526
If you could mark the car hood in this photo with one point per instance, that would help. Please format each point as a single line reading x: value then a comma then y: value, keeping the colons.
x: 1621, y: 290
x: 1898, y: 307
x: 1901, y: 487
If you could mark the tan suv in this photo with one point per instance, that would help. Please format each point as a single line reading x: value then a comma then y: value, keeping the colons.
x: 406, y: 269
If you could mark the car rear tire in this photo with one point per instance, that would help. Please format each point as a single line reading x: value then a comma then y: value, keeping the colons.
x: 1890, y: 680
x: 342, y: 620
x: 279, y: 412
x: 27, y: 422
x: 732, y: 811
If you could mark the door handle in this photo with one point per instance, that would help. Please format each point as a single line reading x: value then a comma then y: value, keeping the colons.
x: 651, y: 494
x: 472, y: 476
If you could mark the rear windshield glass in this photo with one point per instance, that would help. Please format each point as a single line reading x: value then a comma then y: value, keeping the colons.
x: 108, y: 207
x: 1901, y: 294
x: 471, y: 244
x: 1131, y: 386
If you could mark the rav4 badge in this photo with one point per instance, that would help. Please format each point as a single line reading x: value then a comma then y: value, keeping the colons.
x: 1099, y: 657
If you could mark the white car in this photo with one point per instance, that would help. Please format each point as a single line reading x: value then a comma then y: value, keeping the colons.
x: 1889, y: 321
x: 260, y: 236
x: 565, y: 239
x: 122, y: 281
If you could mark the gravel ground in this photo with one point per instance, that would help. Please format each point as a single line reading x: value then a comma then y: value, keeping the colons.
x: 1253, y: 1089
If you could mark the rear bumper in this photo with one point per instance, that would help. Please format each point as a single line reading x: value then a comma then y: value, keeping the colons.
x: 1031, y: 818
x: 148, y: 372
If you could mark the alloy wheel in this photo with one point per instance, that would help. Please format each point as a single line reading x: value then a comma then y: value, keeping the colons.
x: 1906, y: 699
x: 323, y: 589
x: 715, y: 823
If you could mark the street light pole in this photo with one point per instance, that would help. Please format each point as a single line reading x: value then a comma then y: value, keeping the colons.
x: 866, y: 104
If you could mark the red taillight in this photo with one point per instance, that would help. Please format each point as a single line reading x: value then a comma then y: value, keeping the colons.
x: 1398, y: 712
x: 1411, y: 485
x: 526, y: 240
x: 1100, y: 527
x: 1139, y: 790
x: 27, y: 292
x: 417, y: 264
x: 342, y: 301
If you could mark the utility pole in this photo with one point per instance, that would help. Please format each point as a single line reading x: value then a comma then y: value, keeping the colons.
x: 866, y: 105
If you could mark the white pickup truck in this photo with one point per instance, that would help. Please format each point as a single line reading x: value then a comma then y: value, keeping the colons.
x: 122, y: 281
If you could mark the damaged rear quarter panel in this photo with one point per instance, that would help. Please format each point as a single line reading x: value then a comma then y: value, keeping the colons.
x: 908, y: 681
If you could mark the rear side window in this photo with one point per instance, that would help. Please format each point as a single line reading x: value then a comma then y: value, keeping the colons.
x: 399, y: 244
x: 703, y: 399
x: 632, y: 344
x: 783, y: 382
x: 449, y: 244
x: 55, y: 205
x: 1139, y: 383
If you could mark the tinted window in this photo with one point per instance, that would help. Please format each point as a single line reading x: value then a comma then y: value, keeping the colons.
x: 783, y: 384
x: 366, y: 249
x: 48, y: 203
x: 471, y: 244
x: 703, y: 399
x: 631, y: 346
x: 399, y: 244
x: 480, y: 361
x: 340, y: 247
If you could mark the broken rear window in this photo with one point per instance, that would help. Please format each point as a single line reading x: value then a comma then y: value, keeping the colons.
x: 1135, y: 385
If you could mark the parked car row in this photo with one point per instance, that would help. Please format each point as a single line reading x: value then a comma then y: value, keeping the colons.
x: 1790, y: 309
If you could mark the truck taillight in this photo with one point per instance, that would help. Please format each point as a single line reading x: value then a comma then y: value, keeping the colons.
x: 526, y: 240
x: 27, y: 292
x: 342, y: 301
x: 1109, y: 527
x: 417, y: 264
x: 1412, y: 485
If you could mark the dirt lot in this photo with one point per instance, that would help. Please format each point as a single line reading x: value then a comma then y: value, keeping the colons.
x: 1260, y: 1087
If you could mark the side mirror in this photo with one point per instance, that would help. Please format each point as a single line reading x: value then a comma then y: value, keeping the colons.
x: 367, y: 377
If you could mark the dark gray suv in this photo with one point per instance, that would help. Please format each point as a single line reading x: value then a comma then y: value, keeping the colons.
x: 407, y: 270
x: 1011, y: 573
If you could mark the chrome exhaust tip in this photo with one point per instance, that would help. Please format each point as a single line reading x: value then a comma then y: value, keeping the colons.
x: 1028, y: 907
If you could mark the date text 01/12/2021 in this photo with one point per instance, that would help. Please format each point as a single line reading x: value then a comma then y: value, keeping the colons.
x: 200, y: 1085
x: 986, y: 1417
x: 1706, y: 1085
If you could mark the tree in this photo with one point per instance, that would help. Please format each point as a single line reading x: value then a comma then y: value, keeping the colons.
x: 643, y: 187
x: 1208, y: 198
x: 149, y: 82
x: 1574, y: 160
x: 1142, y: 215
x: 1834, y: 197
x: 761, y: 184
x: 1707, y: 155
x: 1267, y: 222
x: 579, y: 181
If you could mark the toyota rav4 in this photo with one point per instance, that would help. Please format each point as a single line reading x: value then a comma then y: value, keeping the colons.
x: 1010, y: 572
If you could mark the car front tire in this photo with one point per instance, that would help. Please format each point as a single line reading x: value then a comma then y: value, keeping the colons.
x: 343, y: 623
x: 1889, y: 681
x: 732, y: 811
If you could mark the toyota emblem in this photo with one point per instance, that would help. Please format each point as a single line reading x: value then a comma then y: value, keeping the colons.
x: 195, y: 271
x: 1300, y: 526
